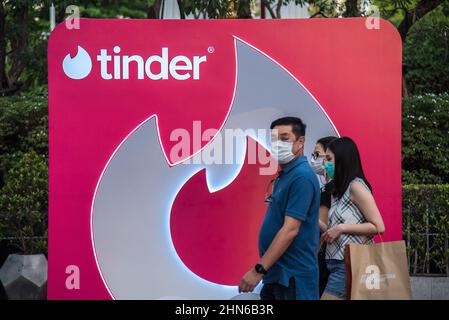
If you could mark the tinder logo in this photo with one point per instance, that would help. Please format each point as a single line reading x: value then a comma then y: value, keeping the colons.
x: 114, y: 66
x: 79, y: 66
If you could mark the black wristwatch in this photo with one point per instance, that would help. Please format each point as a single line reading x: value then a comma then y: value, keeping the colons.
x: 260, y: 269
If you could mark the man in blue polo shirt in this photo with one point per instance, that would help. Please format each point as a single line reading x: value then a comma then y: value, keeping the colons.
x: 289, y: 235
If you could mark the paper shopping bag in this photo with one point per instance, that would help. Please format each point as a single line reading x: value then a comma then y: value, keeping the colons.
x: 377, y: 271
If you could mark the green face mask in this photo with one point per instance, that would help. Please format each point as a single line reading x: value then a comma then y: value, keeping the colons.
x: 330, y: 169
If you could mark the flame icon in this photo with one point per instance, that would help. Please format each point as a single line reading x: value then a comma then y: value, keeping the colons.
x: 79, y: 66
x: 150, y: 223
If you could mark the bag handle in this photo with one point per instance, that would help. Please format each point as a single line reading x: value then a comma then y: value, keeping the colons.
x: 381, y: 239
x: 378, y: 233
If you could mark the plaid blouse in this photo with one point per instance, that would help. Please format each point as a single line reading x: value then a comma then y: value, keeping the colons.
x: 344, y: 211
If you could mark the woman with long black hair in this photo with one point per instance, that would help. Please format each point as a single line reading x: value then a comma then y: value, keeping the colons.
x: 353, y: 216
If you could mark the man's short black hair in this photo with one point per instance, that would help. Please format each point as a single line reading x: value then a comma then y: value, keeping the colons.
x: 298, y: 127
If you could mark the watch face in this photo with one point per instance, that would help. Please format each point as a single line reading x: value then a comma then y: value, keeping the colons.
x: 260, y: 269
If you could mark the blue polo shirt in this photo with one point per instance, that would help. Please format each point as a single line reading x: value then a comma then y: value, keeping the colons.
x: 296, y: 193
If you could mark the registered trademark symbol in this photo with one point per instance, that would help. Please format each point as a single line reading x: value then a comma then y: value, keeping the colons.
x: 210, y: 49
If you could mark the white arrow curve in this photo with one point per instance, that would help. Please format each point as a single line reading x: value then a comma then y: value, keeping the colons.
x: 130, y: 213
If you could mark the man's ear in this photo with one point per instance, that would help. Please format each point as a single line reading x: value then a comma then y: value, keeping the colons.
x: 302, y: 141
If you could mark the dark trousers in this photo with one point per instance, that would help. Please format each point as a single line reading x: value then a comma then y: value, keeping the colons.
x: 276, y: 291
x: 324, y: 273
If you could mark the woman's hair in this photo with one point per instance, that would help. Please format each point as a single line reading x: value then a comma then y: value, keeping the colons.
x: 347, y: 164
x: 325, y: 141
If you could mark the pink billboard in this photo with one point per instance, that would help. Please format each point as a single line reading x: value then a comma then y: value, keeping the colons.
x: 134, y: 215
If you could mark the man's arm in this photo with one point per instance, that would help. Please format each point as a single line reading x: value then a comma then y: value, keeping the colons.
x: 278, y: 246
x: 300, y: 198
x: 281, y: 242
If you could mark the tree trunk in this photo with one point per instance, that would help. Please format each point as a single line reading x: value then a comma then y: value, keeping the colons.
x: 19, y: 45
x: 244, y: 9
x: 154, y: 11
x: 269, y: 8
x: 421, y: 9
x: 404, y: 87
x: 352, y: 8
x: 4, y: 83
x: 278, y: 8
x: 182, y: 14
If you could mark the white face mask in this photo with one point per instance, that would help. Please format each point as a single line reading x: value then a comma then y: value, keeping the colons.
x: 282, y: 151
x: 317, y: 165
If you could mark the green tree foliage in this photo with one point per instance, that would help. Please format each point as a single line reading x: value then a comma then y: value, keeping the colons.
x: 136, y: 9
x: 426, y: 227
x: 22, y: 45
x: 24, y: 31
x: 426, y: 54
x: 24, y: 203
x: 23, y: 128
x: 214, y: 9
x: 24, y: 171
x: 425, y: 131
